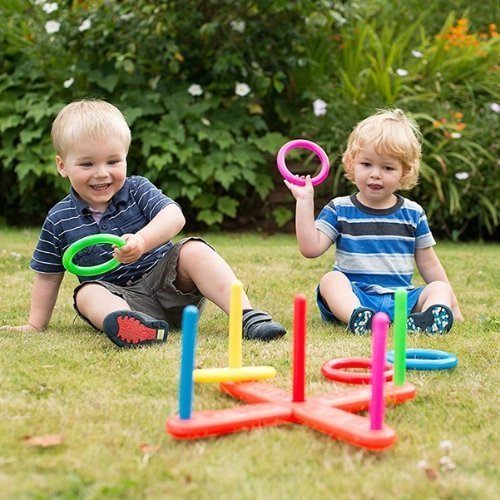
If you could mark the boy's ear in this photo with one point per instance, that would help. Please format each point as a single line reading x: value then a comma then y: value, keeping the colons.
x: 61, y: 168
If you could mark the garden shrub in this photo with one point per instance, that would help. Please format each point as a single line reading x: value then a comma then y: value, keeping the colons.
x: 199, y: 83
x: 213, y: 88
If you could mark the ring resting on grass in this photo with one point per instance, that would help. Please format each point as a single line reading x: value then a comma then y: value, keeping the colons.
x: 87, y: 241
x: 338, y: 370
x: 427, y: 359
x: 302, y: 143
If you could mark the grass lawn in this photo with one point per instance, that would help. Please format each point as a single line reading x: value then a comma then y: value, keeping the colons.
x: 109, y: 406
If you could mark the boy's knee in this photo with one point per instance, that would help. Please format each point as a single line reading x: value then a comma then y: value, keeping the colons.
x: 440, y: 286
x: 332, y: 277
x: 194, y: 250
x: 85, y: 291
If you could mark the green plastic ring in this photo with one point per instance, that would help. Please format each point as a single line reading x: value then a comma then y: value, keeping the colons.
x: 87, y: 241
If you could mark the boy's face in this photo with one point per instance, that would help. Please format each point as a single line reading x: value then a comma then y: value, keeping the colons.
x: 96, y: 169
x: 377, y: 176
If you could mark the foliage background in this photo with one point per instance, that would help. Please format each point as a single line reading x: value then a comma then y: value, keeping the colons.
x: 212, y: 89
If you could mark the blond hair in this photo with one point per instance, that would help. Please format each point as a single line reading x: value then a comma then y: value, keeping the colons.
x: 390, y: 132
x: 88, y: 119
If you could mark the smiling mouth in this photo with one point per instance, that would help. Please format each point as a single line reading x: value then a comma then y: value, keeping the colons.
x: 100, y: 187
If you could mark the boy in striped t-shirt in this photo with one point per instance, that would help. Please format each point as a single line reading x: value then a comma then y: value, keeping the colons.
x: 379, y: 235
x: 138, y: 302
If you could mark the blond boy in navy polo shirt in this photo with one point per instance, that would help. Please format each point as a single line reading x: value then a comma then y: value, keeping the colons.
x: 137, y: 303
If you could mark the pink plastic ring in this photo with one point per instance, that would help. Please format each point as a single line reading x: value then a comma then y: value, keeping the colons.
x: 302, y: 143
x: 335, y: 369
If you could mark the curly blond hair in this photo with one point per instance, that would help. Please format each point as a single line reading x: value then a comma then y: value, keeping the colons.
x: 88, y: 119
x: 390, y: 132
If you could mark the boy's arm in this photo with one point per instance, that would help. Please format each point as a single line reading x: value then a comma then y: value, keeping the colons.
x: 43, y: 299
x: 162, y: 228
x: 431, y: 269
x: 312, y: 243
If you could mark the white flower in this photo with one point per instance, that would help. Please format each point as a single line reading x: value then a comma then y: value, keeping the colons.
x: 461, y: 176
x: 67, y: 83
x: 50, y: 7
x: 456, y: 135
x: 205, y: 121
x: 195, y: 90
x: 242, y: 89
x: 319, y: 107
x: 446, y: 444
x: 422, y: 464
x: 52, y: 27
x: 495, y: 107
x: 416, y: 53
x: 85, y: 25
x: 447, y: 463
x: 402, y: 72
x: 238, y: 26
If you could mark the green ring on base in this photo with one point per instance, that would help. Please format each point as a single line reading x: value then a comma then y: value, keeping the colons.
x: 87, y: 241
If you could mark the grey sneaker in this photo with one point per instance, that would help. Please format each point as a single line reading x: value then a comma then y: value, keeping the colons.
x: 258, y: 325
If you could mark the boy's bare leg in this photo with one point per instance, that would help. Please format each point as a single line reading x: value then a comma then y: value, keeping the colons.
x: 437, y: 292
x: 337, y: 292
x: 95, y: 302
x: 200, y: 267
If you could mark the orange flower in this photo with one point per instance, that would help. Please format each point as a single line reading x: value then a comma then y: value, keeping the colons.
x: 457, y: 115
x: 436, y: 124
x: 460, y: 126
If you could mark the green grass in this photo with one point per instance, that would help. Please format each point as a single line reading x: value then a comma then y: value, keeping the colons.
x: 105, y: 402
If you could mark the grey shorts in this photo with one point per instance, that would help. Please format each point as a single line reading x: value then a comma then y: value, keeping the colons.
x: 155, y: 293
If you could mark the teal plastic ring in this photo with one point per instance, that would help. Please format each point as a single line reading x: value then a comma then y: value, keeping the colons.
x: 87, y: 241
x: 427, y: 359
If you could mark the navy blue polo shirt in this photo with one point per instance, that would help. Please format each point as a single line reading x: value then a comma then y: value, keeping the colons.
x: 134, y: 206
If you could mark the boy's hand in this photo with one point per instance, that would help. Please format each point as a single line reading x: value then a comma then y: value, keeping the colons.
x: 305, y: 192
x: 133, y: 249
x: 20, y: 328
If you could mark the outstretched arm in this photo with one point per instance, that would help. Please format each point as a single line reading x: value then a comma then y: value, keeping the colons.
x: 162, y: 228
x: 312, y: 243
x: 43, y: 299
x: 431, y: 269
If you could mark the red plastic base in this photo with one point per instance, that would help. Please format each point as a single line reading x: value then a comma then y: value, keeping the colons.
x: 215, y: 422
x: 268, y: 405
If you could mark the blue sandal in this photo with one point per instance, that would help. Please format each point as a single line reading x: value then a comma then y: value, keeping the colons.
x: 361, y: 321
x: 435, y: 319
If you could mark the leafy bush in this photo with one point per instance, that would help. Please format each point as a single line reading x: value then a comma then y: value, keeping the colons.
x: 213, y: 88
x: 200, y: 83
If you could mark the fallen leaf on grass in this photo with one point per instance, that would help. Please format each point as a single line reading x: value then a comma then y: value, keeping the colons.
x: 150, y: 449
x: 431, y: 473
x: 43, y: 441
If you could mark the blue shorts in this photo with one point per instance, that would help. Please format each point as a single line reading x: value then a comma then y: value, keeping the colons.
x: 379, y: 302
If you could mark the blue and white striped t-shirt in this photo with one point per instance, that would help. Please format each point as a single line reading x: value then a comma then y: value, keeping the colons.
x: 375, y: 247
x: 137, y: 202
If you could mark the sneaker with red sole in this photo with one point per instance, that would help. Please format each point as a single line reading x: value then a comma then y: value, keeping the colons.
x: 134, y: 329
